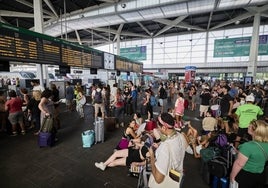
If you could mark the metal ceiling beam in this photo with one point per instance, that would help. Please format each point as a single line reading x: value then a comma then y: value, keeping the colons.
x: 8, y: 13
x: 144, y: 28
x: 216, y: 4
x: 255, y: 10
x: 109, y: 1
x: 238, y: 18
x: 119, y: 30
x: 50, y: 5
x: 3, y: 20
x: 26, y: 3
x: 264, y: 15
x: 122, y: 33
x: 188, y: 26
x: 170, y: 25
x: 98, y: 35
x: 87, y: 41
x: 78, y: 37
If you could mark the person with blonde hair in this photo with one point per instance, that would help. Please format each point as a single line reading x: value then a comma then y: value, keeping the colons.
x: 248, y: 168
x: 34, y: 111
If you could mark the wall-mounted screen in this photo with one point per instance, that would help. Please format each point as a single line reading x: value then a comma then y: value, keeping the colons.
x: 4, y: 66
x: 93, y: 71
x: 63, y: 70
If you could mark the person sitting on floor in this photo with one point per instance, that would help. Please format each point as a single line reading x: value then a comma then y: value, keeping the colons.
x: 191, y: 137
x: 128, y: 134
x: 136, y: 154
x: 209, y: 123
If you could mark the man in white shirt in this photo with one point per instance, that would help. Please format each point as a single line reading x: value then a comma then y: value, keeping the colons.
x: 170, y: 154
x: 36, y: 86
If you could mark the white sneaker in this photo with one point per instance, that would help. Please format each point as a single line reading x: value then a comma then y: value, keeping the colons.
x: 100, y: 166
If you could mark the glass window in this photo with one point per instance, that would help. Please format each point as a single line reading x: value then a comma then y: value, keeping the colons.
x: 171, y: 50
x: 171, y: 38
x: 184, y: 49
x: 171, y: 44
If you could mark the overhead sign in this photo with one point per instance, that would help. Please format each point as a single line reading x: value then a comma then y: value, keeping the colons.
x: 134, y: 53
x: 234, y: 47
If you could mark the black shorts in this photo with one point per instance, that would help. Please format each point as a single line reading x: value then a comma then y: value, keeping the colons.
x: 133, y: 156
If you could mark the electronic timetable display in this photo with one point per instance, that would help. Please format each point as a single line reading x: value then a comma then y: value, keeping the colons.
x: 19, y: 44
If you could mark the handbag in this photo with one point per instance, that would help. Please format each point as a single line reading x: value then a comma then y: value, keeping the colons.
x: 123, y: 144
x: 82, y: 101
x: 173, y: 179
x: 233, y: 184
x: 265, y: 170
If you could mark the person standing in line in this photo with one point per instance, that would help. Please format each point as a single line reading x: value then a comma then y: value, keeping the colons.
x: 36, y: 85
x: 79, y: 106
x: 97, y: 97
x: 3, y: 113
x: 14, y: 107
x: 34, y: 111
x: 205, y: 99
x: 245, y: 114
x: 226, y: 106
x: 133, y: 96
x: 69, y: 96
x: 46, y: 105
x: 170, y: 154
x: 248, y: 167
x: 179, y: 110
x: 118, y: 104
x: 147, y: 103
x: 55, y: 99
x: 162, y: 97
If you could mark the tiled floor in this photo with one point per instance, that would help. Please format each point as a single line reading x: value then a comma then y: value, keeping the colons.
x: 24, y: 165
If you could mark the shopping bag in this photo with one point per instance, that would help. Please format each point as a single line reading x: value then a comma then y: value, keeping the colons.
x: 88, y: 138
x: 47, y: 125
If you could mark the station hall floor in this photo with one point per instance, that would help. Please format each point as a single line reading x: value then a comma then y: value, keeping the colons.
x: 68, y: 165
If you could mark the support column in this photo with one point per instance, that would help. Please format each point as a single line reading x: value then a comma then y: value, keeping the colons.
x: 38, y: 27
x: 152, y: 55
x: 118, y: 45
x: 206, y: 49
x: 254, y: 45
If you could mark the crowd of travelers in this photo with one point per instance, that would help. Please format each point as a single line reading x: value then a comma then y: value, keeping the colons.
x: 237, y: 110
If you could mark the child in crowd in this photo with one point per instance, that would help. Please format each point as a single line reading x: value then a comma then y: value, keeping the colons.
x: 179, y: 109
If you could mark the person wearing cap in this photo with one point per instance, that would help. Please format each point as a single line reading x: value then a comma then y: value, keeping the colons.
x: 170, y: 153
x: 245, y: 114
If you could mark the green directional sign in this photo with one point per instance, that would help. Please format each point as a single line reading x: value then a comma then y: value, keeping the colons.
x: 134, y: 53
x: 235, y: 47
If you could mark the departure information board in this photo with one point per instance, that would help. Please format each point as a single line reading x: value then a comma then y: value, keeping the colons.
x: 19, y: 44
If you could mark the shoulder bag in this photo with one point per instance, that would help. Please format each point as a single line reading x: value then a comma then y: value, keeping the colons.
x: 173, y: 179
x: 265, y: 170
x: 83, y: 100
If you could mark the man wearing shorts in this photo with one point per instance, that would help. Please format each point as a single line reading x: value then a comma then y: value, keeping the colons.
x: 246, y: 113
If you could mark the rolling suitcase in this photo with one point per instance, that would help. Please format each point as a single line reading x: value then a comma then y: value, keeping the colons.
x: 99, y: 130
x: 47, y: 134
x: 46, y: 139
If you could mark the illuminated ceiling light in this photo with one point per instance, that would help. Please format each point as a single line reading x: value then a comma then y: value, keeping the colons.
x: 237, y: 22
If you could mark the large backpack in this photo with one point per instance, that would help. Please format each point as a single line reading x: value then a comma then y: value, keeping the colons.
x: 98, y: 97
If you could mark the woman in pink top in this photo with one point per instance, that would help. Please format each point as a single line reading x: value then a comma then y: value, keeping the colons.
x: 14, y: 107
x: 179, y: 109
